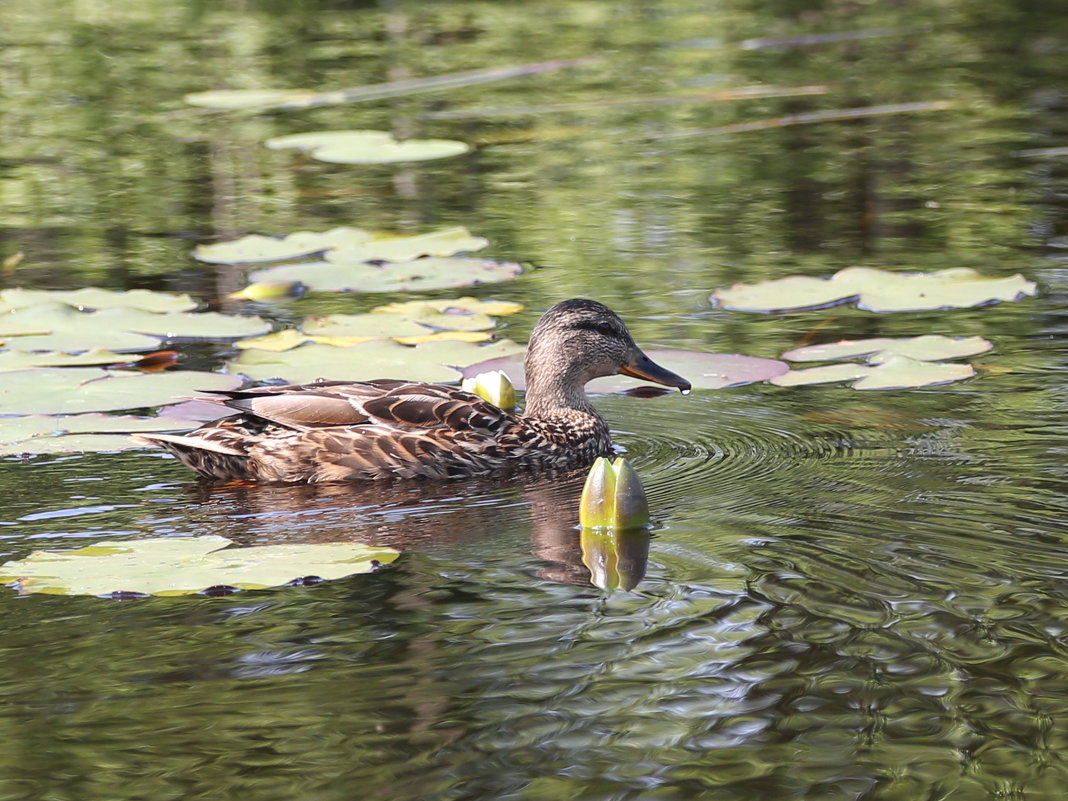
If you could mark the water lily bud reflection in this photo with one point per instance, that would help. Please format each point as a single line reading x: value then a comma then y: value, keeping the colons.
x: 493, y: 386
x: 613, y: 497
x: 616, y: 559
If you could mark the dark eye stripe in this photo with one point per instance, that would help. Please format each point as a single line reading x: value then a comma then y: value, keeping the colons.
x: 600, y: 328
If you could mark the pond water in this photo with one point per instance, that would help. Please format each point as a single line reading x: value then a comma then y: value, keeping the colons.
x: 848, y: 595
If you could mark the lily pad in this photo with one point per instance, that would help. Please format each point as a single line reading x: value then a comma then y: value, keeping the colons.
x: 446, y: 242
x: 23, y: 360
x: 95, y: 298
x: 432, y: 361
x: 703, y: 370
x: 72, y: 390
x: 254, y: 248
x: 451, y: 306
x: 417, y: 275
x: 121, y: 329
x: 185, y: 565
x: 238, y: 99
x: 368, y: 147
x: 897, y: 372
x: 928, y: 348
x: 45, y: 434
x: 875, y: 290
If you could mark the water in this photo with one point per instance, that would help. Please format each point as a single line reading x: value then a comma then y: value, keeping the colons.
x: 848, y: 595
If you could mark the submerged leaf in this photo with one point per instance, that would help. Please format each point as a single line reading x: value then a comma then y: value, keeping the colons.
x: 875, y: 290
x: 185, y: 565
x: 367, y: 147
x: 237, y: 99
x: 417, y: 275
x: 70, y: 390
x: 927, y: 348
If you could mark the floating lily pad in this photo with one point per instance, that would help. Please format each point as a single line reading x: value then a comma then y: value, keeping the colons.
x: 22, y: 360
x: 452, y: 306
x: 446, y: 242
x: 432, y: 361
x: 875, y: 290
x: 254, y: 248
x: 368, y: 147
x: 185, y: 565
x: 44, y: 434
x: 94, y: 298
x: 702, y: 370
x: 417, y: 275
x: 237, y: 99
x: 72, y: 390
x: 121, y: 329
x: 928, y: 348
x: 897, y: 372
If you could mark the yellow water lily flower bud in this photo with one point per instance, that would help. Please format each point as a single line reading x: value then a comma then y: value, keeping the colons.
x: 493, y: 386
x: 613, y: 497
x: 269, y: 290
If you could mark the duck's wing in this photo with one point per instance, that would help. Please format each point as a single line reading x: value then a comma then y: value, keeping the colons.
x: 400, y: 405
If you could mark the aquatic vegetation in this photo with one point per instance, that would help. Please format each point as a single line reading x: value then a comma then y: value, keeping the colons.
x: 185, y: 566
x: 41, y: 434
x: 890, y: 364
x: 875, y: 290
x: 493, y: 386
x: 95, y: 298
x: 409, y: 276
x: 367, y: 147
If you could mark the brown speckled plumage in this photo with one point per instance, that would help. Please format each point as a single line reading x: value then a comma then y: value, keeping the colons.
x: 346, y: 430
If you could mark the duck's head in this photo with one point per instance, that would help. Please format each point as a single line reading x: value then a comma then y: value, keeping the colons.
x: 578, y: 340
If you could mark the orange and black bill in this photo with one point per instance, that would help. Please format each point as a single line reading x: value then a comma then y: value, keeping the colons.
x: 641, y: 366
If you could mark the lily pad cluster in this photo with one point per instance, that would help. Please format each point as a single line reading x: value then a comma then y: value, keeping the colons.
x: 185, y: 565
x: 354, y: 260
x: 890, y: 363
x: 875, y: 290
x: 419, y: 340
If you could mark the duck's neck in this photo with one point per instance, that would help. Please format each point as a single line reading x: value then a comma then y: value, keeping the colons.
x: 556, y: 389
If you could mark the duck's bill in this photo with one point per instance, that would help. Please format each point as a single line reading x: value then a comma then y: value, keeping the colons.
x: 641, y: 366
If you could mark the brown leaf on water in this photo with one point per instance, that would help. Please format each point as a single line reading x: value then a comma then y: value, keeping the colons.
x: 151, y: 363
x: 7, y: 267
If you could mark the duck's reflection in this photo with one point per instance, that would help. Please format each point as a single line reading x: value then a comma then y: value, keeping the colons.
x: 428, y: 516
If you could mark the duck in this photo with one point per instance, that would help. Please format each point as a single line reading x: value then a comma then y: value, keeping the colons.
x: 331, y: 431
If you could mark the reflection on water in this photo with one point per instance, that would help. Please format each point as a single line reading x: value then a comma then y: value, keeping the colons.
x: 846, y: 596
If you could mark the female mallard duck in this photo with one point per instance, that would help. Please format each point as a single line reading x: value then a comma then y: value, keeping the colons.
x: 355, y: 430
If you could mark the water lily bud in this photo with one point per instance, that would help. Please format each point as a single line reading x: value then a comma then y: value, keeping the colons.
x: 493, y: 386
x: 269, y: 290
x: 613, y: 497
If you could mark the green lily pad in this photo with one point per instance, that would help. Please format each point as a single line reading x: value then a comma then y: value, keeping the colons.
x: 417, y: 275
x: 432, y: 361
x: 875, y: 290
x: 446, y: 242
x: 95, y: 298
x: 452, y: 306
x: 238, y: 99
x: 368, y: 147
x: 702, y: 370
x: 72, y: 390
x: 254, y: 248
x: 47, y: 434
x: 897, y: 372
x: 120, y: 329
x: 23, y: 360
x: 185, y: 565
x: 928, y: 348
